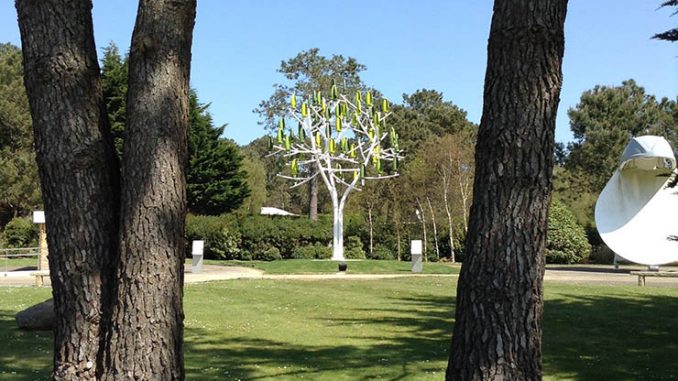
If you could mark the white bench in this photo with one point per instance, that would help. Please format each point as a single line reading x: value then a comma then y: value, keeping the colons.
x: 40, y: 277
x: 642, y: 274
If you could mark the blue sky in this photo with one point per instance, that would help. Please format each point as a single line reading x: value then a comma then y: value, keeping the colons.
x: 406, y: 45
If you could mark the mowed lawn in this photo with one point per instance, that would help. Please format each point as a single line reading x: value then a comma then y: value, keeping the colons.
x: 310, y: 266
x: 395, y: 329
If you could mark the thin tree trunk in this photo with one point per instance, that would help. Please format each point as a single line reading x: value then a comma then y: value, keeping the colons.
x: 146, y: 339
x: 449, y: 218
x: 400, y: 255
x: 369, y: 219
x: 423, y: 225
x: 463, y: 192
x: 498, y: 325
x: 435, y: 228
x: 313, y: 199
x: 78, y: 174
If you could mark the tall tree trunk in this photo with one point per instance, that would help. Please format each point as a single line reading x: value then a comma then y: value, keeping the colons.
x: 446, y: 181
x: 313, y: 199
x: 435, y: 228
x: 146, y: 338
x: 497, y: 333
x: 78, y: 174
x: 422, y: 219
x: 464, y: 181
x: 369, y: 220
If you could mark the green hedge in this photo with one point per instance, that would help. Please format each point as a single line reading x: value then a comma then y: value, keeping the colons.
x: 312, y: 252
x: 254, y: 237
x: 221, y: 235
x: 566, y: 239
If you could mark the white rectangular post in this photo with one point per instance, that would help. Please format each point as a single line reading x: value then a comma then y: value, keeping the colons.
x: 39, y: 218
x: 196, y: 256
x: 416, y: 250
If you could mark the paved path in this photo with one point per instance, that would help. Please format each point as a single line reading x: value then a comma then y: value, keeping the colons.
x: 567, y: 274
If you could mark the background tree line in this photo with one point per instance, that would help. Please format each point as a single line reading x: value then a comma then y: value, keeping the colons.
x: 430, y: 200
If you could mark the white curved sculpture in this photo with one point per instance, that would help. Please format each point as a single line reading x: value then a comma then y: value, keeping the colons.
x: 636, y: 213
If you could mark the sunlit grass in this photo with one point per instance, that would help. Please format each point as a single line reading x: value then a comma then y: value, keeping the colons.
x: 309, y: 266
x: 379, y: 329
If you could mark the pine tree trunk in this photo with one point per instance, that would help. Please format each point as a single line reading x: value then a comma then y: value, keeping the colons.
x: 497, y: 333
x: 78, y: 174
x: 146, y: 337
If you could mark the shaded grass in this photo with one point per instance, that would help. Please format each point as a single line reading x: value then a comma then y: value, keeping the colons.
x: 10, y: 264
x: 394, y: 329
x: 309, y: 266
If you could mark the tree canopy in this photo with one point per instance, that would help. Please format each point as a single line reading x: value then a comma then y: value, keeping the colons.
x: 19, y: 186
x: 216, y: 183
x: 604, y: 120
x: 671, y: 34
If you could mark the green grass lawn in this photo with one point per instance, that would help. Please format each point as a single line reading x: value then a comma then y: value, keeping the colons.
x: 308, y: 266
x: 394, y: 329
x: 10, y: 264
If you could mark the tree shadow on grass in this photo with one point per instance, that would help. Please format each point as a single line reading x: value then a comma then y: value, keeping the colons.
x: 402, y: 344
x: 23, y: 355
x: 615, y: 334
x: 619, y: 337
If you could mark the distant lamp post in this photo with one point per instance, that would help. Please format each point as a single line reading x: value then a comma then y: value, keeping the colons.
x: 39, y: 218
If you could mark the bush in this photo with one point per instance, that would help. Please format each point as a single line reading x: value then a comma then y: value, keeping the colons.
x: 21, y: 232
x: 382, y: 252
x: 566, y: 239
x: 221, y: 236
x: 312, y: 252
x: 354, y: 248
x: 285, y: 233
x: 601, y: 254
x: 270, y: 254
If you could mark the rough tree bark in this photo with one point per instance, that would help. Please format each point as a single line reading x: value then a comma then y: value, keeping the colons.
x: 117, y: 316
x: 78, y: 174
x: 497, y: 333
x: 153, y: 198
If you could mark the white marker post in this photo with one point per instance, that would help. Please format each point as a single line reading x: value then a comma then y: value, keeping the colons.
x: 196, y: 256
x: 39, y: 218
x: 416, y: 251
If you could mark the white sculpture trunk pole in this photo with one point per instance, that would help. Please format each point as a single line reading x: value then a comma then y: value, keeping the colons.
x: 338, y: 240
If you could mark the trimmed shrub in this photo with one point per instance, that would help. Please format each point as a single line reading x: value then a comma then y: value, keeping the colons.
x: 312, y: 252
x: 566, y: 239
x: 221, y: 236
x: 21, y: 232
x: 354, y: 248
x: 270, y: 254
x: 382, y: 252
x: 285, y: 233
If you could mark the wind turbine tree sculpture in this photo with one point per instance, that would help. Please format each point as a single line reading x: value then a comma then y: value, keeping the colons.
x: 346, y: 139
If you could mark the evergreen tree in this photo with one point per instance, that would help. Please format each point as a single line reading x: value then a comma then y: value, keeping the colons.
x: 114, y: 84
x: 19, y: 186
x: 216, y: 182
